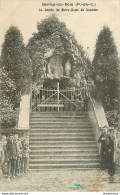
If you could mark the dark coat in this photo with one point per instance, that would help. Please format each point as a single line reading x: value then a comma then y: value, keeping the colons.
x: 110, y: 153
x: 103, y: 149
x: 12, y: 150
x: 5, y: 154
x: 103, y: 142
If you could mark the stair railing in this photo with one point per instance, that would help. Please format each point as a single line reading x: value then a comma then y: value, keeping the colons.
x: 96, y: 115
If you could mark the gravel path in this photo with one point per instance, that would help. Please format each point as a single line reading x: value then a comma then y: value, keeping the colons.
x: 63, y: 181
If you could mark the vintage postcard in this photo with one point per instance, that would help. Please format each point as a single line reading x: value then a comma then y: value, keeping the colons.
x: 59, y: 96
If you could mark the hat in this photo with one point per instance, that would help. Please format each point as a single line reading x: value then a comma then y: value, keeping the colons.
x: 110, y: 129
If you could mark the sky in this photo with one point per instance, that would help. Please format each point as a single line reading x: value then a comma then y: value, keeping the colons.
x: 85, y: 25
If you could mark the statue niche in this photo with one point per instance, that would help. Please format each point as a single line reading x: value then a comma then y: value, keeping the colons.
x: 55, y: 69
x: 67, y: 63
x: 68, y: 69
x: 58, y: 66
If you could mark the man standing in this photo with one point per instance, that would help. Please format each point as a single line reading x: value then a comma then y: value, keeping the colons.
x: 86, y: 100
x: 12, y: 155
x: 110, y: 156
x: 19, y: 155
x: 103, y: 139
x: 25, y: 156
x: 1, y: 159
x: 5, y: 155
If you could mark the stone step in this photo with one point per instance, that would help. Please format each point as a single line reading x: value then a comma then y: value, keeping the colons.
x: 61, y: 131
x: 59, y: 135
x: 63, y: 139
x: 70, y: 129
x: 53, y: 137
x: 74, y: 156
x: 57, y: 125
x: 59, y: 121
x: 65, y: 113
x: 57, y: 131
x: 73, y: 123
x: 65, y: 152
x: 51, y: 142
x: 58, y: 118
x: 63, y: 148
x: 58, y: 144
x: 64, y: 166
x: 63, y: 161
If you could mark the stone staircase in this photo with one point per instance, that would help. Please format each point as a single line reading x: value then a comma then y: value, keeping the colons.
x: 62, y: 140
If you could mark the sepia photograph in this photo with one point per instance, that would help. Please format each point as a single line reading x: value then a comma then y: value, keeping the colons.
x: 59, y: 96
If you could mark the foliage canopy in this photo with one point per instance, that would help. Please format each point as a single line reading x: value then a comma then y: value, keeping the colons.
x: 53, y: 38
x: 15, y: 75
x: 106, y: 69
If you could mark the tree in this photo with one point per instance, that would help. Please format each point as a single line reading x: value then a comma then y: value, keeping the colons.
x: 15, y: 74
x: 15, y: 65
x: 106, y: 69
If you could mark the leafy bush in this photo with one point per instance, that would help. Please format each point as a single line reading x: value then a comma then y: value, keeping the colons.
x: 112, y: 117
x: 63, y: 82
x: 9, y: 116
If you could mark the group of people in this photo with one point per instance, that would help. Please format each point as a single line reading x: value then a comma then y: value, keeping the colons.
x: 14, y: 155
x: 107, y: 150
